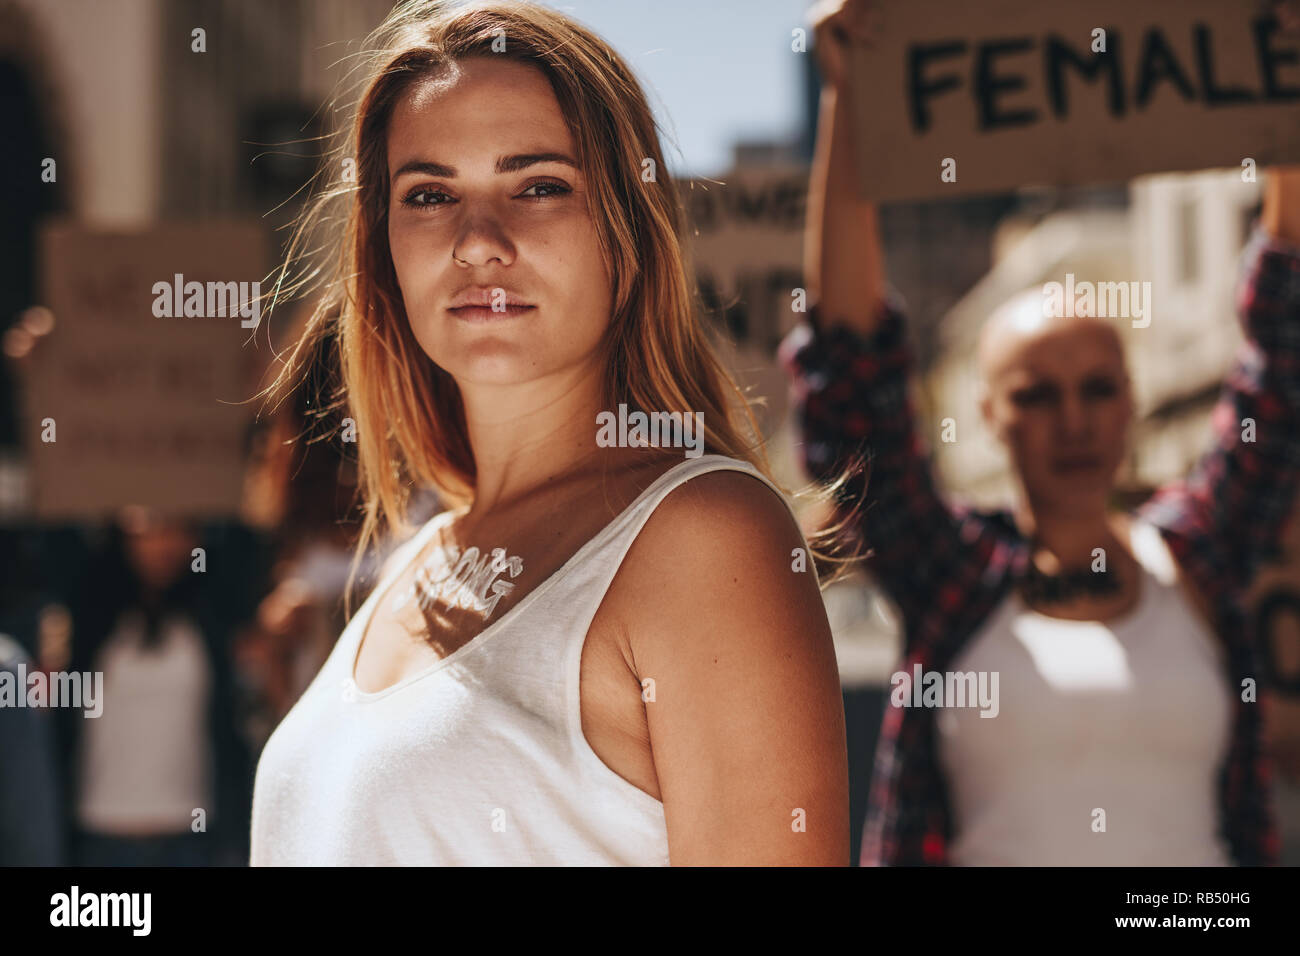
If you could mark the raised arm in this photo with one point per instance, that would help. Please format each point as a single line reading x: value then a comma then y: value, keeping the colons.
x: 850, y: 364
x: 1232, y: 507
x: 843, y: 261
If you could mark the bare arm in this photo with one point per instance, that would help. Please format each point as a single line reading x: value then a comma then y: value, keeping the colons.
x: 1280, y: 217
x: 747, y: 725
x: 843, y: 261
x: 851, y: 371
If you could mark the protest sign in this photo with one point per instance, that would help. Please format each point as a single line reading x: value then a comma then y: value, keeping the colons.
x: 747, y: 247
x: 747, y: 244
x: 133, y: 398
x: 954, y: 98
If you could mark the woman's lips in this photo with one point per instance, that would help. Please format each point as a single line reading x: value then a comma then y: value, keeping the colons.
x: 482, y: 313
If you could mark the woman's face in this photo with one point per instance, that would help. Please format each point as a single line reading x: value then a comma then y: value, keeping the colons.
x: 1059, y: 399
x: 158, y: 549
x: 482, y: 168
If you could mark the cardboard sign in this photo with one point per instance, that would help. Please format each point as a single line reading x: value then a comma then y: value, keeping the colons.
x: 956, y: 97
x: 138, y: 382
x: 746, y: 243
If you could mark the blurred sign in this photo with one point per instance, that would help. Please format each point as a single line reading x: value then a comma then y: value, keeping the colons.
x: 957, y: 97
x: 135, y: 385
x: 747, y: 247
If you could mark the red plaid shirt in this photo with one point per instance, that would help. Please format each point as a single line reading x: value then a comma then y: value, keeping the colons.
x: 947, y: 567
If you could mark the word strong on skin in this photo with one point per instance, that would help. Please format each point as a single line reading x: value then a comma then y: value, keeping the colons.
x: 464, y: 580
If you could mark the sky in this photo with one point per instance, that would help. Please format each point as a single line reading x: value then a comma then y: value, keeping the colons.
x: 714, y: 71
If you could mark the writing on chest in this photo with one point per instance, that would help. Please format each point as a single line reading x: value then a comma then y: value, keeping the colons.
x: 465, y: 579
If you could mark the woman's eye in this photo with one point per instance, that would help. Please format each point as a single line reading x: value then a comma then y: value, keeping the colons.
x: 555, y: 189
x: 412, y: 198
x: 1100, y: 388
x: 1038, y: 395
x: 426, y: 197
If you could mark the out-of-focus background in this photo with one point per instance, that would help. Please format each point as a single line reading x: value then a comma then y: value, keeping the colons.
x: 127, y: 464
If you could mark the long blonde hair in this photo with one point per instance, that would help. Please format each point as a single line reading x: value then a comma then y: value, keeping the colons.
x: 409, y: 419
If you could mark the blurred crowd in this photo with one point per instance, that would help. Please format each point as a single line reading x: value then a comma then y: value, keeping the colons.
x: 204, y: 632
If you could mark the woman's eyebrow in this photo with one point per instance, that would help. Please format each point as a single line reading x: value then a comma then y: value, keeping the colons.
x: 504, y: 164
x: 512, y: 164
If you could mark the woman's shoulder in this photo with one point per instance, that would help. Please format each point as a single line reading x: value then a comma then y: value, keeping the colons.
x: 720, y: 519
x: 712, y: 496
x: 720, y: 568
x: 727, y: 493
x: 12, y: 653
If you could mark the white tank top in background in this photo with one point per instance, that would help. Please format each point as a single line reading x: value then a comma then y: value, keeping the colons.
x: 146, y: 761
x: 1132, y: 718
x: 480, y: 759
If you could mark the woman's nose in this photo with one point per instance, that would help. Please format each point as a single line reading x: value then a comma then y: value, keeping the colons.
x: 1075, y: 420
x: 481, y: 239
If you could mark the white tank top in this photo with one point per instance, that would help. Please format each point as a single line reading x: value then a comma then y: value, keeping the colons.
x: 480, y: 759
x: 157, y: 695
x: 1131, y: 718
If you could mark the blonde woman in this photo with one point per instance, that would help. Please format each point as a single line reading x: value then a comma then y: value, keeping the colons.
x: 600, y: 654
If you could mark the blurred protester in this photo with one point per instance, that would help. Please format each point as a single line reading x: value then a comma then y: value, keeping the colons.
x: 31, y: 831
x: 162, y: 776
x: 1125, y: 730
